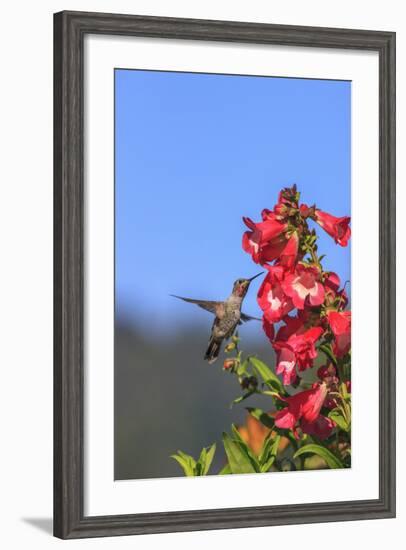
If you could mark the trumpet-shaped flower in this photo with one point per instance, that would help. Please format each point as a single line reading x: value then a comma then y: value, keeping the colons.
x: 265, y: 240
x: 338, y: 228
x: 303, y: 285
x: 304, y: 406
x: 295, y: 345
x: 288, y: 256
x: 271, y: 297
x: 340, y: 324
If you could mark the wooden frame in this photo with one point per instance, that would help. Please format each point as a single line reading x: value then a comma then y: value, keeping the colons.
x: 70, y: 28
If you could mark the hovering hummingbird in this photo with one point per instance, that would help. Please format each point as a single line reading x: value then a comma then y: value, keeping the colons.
x: 228, y: 315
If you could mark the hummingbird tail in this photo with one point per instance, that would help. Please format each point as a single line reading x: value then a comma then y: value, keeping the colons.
x: 213, y: 350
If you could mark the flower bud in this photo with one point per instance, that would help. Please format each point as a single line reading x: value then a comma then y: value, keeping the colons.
x: 326, y: 371
x: 280, y: 211
x: 244, y: 383
x: 230, y: 364
x: 229, y: 347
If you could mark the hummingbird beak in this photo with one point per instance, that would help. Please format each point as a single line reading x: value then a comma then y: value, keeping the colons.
x: 255, y: 276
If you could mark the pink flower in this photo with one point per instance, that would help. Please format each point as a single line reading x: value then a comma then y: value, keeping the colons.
x: 285, y: 363
x: 295, y: 345
x: 340, y: 324
x: 332, y: 282
x: 305, y: 406
x: 321, y: 427
x: 265, y: 240
x: 268, y: 328
x: 331, y: 286
x: 298, y: 350
x: 264, y: 232
x: 328, y: 375
x: 304, y: 348
x: 302, y: 284
x: 337, y: 228
x: 288, y: 255
x: 271, y: 298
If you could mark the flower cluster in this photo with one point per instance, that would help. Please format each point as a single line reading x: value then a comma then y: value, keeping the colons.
x: 306, y: 317
x: 304, y: 306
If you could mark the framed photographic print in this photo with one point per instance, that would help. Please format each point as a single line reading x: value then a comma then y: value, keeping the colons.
x: 224, y: 274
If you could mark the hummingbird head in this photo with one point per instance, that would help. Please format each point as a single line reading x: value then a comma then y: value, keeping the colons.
x: 241, y: 286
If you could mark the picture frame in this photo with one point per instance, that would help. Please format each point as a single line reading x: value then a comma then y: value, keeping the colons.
x: 70, y: 28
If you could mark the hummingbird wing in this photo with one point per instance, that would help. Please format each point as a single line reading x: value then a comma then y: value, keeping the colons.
x: 217, y: 308
x: 244, y: 317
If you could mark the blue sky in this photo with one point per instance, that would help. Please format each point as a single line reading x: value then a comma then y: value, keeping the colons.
x: 195, y: 153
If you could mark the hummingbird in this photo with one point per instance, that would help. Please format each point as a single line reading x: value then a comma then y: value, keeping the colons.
x: 228, y: 315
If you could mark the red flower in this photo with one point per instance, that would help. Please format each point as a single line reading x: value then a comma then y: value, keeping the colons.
x: 304, y: 346
x: 305, y: 406
x: 304, y: 283
x: 340, y: 324
x: 328, y: 375
x: 288, y: 255
x: 268, y: 328
x: 265, y: 240
x: 332, y: 282
x: 295, y: 345
x: 331, y: 286
x: 280, y: 211
x: 306, y: 211
x: 337, y: 228
x: 271, y: 298
x: 285, y: 363
x: 321, y: 427
x: 264, y: 232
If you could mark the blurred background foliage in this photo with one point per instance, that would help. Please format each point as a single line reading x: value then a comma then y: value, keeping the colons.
x: 168, y: 398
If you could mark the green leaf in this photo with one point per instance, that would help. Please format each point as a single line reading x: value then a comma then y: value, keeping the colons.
x: 202, y: 457
x: 189, y: 464
x: 186, y: 456
x: 269, y: 452
x: 266, y: 449
x: 185, y: 465
x: 331, y: 460
x: 237, y: 435
x: 344, y: 391
x: 326, y: 349
x: 190, y: 460
x: 262, y: 416
x: 275, y: 445
x: 242, y: 368
x: 244, y: 446
x: 209, y: 459
x: 226, y: 470
x: 339, y: 419
x: 270, y: 379
x: 238, y: 460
